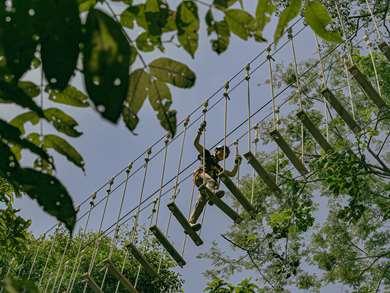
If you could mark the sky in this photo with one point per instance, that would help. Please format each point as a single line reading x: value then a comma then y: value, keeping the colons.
x: 108, y: 148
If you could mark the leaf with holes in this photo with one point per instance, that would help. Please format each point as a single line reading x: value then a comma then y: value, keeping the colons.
x: 64, y: 148
x: 106, y: 64
x: 20, y: 120
x: 147, y: 43
x: 139, y: 84
x: 240, y: 22
x: 29, y: 88
x: 317, y: 17
x: 60, y: 36
x: 173, y: 72
x: 70, y: 96
x: 62, y: 122
x: 8, y: 161
x: 11, y: 92
x: 160, y: 99
x: 13, y: 135
x: 187, y: 23
x: 288, y: 14
x: 49, y: 192
x: 17, y: 36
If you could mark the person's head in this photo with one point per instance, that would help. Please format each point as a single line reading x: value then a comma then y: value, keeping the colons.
x: 220, y: 151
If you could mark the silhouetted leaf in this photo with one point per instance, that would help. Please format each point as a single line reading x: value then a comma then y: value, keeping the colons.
x: 8, y: 161
x: 50, y: 194
x: 240, y: 22
x: 13, y: 135
x: 223, y: 4
x: 288, y: 14
x: 62, y: 147
x: 318, y: 18
x: 15, y: 94
x: 17, y: 36
x: 187, y: 23
x: 59, y: 37
x: 106, y: 64
x: 62, y: 122
x: 70, y: 96
x: 173, y: 72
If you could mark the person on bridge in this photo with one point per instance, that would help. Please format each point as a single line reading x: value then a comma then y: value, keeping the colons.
x: 208, y: 172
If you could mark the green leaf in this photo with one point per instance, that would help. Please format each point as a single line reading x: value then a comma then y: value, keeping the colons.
x: 60, y: 37
x: 8, y: 161
x: 221, y: 43
x: 146, y: 42
x: 130, y: 119
x: 13, y: 285
x: 13, y: 135
x: 127, y: 18
x: 62, y: 122
x: 156, y: 15
x: 240, y: 22
x: 50, y: 194
x: 85, y: 5
x: 160, y: 99
x: 17, y: 36
x: 264, y: 11
x: 20, y: 120
x: 70, y: 96
x: 106, y: 64
x: 223, y: 4
x: 29, y: 88
x: 173, y: 72
x: 11, y: 92
x: 187, y: 23
x: 62, y: 147
x: 317, y: 17
x: 288, y: 14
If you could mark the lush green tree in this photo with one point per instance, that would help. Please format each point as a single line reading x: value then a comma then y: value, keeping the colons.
x: 21, y: 264
x: 217, y: 285
x: 60, y: 39
x: 332, y: 226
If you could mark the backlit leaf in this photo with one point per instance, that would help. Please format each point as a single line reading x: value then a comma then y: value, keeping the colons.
x: 30, y: 88
x: 187, y: 23
x: 62, y: 122
x: 240, y: 22
x: 264, y: 11
x: 173, y: 72
x: 156, y: 15
x: 318, y: 18
x: 288, y: 14
x: 70, y: 96
x: 20, y: 120
x: 106, y: 64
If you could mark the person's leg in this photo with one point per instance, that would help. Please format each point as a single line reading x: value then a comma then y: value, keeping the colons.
x: 199, y: 206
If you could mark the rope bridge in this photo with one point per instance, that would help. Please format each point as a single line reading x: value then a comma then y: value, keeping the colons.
x: 163, y: 211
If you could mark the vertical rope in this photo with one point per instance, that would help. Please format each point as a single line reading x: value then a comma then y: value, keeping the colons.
x: 291, y: 38
x: 226, y: 96
x: 348, y: 44
x: 35, y: 259
x: 256, y: 141
x: 189, y: 214
x: 369, y: 46
x: 116, y: 229
x: 21, y: 265
x: 349, y: 87
x: 374, y: 21
x: 247, y: 78
x: 204, y: 112
x: 48, y: 257
x: 97, y: 243
x: 79, y: 256
x: 62, y: 276
x: 60, y: 265
x: 322, y: 86
x: 275, y: 110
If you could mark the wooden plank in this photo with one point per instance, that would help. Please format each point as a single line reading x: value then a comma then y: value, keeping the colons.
x: 236, y: 192
x: 288, y: 152
x: 268, y: 179
x: 314, y: 131
x: 120, y: 277
x: 142, y: 260
x: 92, y: 284
x: 343, y: 113
x: 184, y: 223
x: 367, y: 87
x: 168, y: 246
x: 384, y: 47
x: 220, y: 204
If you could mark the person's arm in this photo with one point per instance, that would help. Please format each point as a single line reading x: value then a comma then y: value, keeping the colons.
x: 197, y: 144
x: 233, y: 172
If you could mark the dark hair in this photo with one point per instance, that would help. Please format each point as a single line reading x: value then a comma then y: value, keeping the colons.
x: 222, y: 148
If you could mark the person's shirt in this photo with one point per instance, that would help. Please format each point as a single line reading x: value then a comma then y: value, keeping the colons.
x: 212, y: 167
